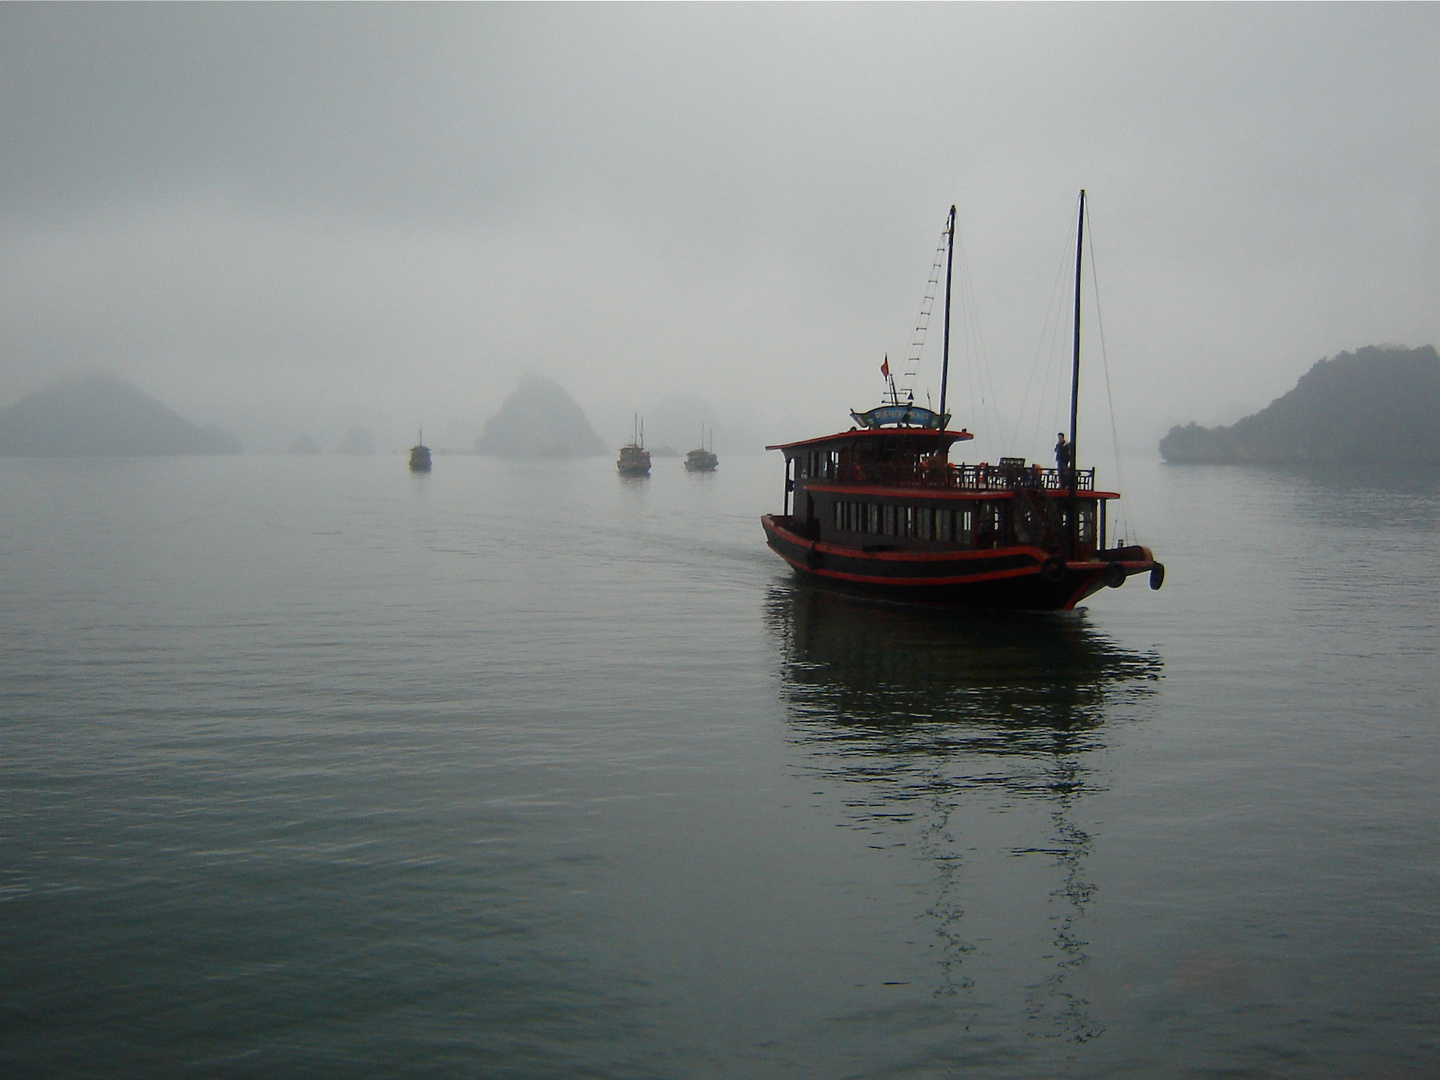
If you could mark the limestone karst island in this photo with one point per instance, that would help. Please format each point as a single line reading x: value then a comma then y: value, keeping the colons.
x: 539, y: 420
x: 99, y: 415
x: 1379, y: 404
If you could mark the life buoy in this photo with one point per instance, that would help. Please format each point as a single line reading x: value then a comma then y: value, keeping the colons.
x: 1053, y: 569
x: 1113, y: 575
x: 1157, y: 575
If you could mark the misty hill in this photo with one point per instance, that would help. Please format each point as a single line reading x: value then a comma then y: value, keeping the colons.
x: 358, y: 440
x: 1378, y: 404
x: 102, y: 416
x: 539, y: 420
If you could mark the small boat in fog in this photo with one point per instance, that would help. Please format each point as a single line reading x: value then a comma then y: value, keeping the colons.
x: 634, y: 459
x: 702, y: 459
x: 880, y: 508
x: 420, y: 455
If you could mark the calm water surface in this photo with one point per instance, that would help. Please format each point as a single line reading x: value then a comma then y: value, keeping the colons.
x: 313, y: 768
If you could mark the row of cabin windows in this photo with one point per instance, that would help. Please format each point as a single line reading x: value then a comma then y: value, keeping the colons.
x: 945, y: 524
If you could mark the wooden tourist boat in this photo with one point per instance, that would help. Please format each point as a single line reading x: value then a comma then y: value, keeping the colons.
x: 880, y: 508
x: 420, y: 456
x: 702, y: 459
x: 634, y: 459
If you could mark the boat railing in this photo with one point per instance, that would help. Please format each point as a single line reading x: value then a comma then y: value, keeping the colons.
x: 1008, y: 475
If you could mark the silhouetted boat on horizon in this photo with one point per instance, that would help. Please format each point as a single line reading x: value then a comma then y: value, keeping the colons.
x: 420, y: 455
x: 634, y: 459
x: 702, y: 459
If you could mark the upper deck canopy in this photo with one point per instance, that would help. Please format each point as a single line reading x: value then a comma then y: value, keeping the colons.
x: 915, y: 439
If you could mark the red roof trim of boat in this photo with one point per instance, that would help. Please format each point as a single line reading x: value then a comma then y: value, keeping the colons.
x: 877, y: 433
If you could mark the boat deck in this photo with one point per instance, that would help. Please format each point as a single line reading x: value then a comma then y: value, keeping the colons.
x: 1007, y: 476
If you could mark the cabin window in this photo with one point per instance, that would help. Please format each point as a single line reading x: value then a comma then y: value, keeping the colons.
x: 944, y: 525
x: 856, y: 517
x: 1087, y: 523
x: 987, y: 525
x: 888, y: 516
x: 964, y: 525
x: 1025, y: 521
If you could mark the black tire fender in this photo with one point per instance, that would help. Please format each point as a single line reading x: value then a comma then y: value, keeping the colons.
x: 1157, y: 575
x: 1113, y: 575
x: 1053, y: 569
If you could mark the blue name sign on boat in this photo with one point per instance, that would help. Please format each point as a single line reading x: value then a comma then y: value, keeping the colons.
x: 900, y: 415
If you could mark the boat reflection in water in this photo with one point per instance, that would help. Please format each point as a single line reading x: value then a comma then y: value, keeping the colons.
x: 972, y: 739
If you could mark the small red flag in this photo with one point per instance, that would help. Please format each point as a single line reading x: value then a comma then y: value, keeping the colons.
x: 885, y: 366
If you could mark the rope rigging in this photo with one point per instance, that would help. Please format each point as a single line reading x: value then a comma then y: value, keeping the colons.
x: 906, y: 391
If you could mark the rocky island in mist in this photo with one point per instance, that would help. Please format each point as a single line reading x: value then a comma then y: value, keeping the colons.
x: 304, y: 445
x: 358, y: 441
x: 1379, y: 404
x: 99, y: 415
x: 539, y: 420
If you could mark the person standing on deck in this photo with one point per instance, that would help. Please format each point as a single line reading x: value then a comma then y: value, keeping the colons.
x: 1063, y: 458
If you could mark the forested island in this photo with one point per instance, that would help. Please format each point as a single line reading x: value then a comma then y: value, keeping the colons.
x: 1378, y: 404
x: 99, y: 415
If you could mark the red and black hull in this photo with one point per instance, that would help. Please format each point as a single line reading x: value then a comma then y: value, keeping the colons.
x: 1020, y: 578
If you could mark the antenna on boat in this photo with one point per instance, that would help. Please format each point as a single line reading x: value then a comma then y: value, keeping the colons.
x: 945, y: 350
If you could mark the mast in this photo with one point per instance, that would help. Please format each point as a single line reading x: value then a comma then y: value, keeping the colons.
x: 1075, y: 366
x: 945, y: 353
x: 1075, y: 386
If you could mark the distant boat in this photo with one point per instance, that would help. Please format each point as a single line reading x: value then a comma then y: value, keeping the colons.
x: 420, y: 455
x: 703, y: 459
x: 880, y: 508
x: 634, y: 458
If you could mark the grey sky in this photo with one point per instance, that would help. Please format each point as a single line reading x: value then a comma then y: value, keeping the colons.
x: 287, y: 219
